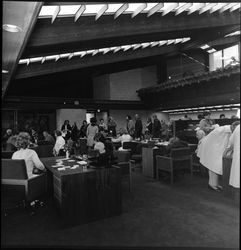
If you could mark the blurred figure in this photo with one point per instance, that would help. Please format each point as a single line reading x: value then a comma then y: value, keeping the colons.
x: 33, y: 136
x: 74, y: 132
x: 58, y: 149
x: 66, y: 130
x: 83, y: 129
x: 6, y: 136
x: 92, y: 130
x: 98, y: 144
x: 222, y: 116
x: 156, y: 127
x: 149, y: 125
x: 130, y: 126
x: 48, y: 137
x: 123, y: 138
x: 200, y: 134
x: 111, y: 126
x: 206, y: 124
x: 30, y: 156
x: 164, y: 130
x: 102, y: 125
x: 138, y: 127
x: 211, y: 152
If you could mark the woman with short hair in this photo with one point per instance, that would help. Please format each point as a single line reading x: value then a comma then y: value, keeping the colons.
x: 29, y: 155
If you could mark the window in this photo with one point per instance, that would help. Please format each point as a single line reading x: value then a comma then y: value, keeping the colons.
x: 222, y: 58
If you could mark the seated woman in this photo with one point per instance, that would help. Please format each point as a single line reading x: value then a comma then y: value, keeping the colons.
x: 30, y: 156
x: 58, y: 149
x: 176, y: 142
x: 125, y: 137
x: 99, y: 145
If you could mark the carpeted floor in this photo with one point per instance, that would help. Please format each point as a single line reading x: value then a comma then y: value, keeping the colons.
x: 155, y: 213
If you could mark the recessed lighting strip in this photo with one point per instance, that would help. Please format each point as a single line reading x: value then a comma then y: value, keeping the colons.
x: 117, y: 9
x: 114, y: 49
x: 200, y: 109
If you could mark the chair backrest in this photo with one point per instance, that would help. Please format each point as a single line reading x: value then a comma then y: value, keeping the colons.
x: 180, y: 153
x: 151, y: 144
x: 92, y: 153
x: 14, y: 169
x: 123, y: 156
x: 126, y: 145
x: 44, y: 150
x: 7, y: 154
x: 125, y: 168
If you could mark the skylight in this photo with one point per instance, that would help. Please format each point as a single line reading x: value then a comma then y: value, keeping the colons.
x: 114, y: 49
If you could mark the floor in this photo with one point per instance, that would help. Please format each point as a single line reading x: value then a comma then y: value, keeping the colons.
x: 155, y: 214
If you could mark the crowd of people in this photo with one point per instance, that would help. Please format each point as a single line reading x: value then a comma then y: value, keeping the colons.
x: 214, y: 141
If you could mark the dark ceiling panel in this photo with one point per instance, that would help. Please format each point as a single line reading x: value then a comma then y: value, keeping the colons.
x: 49, y: 67
x: 24, y: 15
x: 65, y: 34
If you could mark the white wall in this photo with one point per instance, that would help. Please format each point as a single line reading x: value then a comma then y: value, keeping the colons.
x: 73, y: 115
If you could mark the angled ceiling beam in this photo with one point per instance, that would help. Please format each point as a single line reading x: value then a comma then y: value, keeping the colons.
x: 170, y: 8
x: 101, y: 12
x: 183, y: 8
x: 207, y: 7
x: 154, y: 9
x: 139, y: 10
x: 121, y: 10
x: 89, y: 61
x: 24, y: 15
x: 65, y: 32
x: 55, y: 14
x: 198, y: 6
x: 79, y: 12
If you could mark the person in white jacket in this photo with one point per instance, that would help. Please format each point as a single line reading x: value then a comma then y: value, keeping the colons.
x: 211, y: 150
x: 234, y: 146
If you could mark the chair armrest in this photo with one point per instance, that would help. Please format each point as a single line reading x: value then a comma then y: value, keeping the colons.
x: 163, y: 162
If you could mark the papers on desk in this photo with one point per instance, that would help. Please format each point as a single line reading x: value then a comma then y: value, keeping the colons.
x: 61, y: 169
x: 71, y: 160
x: 162, y: 143
x: 82, y: 162
x: 57, y: 166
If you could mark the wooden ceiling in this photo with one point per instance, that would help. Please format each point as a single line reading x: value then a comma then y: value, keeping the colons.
x: 56, y: 35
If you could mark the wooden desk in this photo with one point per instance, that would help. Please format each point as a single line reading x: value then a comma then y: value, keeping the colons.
x: 149, y: 161
x: 81, y: 195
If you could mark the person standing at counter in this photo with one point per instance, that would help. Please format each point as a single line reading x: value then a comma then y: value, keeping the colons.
x: 211, y: 150
x: 138, y: 127
x: 112, y: 126
x: 92, y: 130
x: 130, y: 126
x: 66, y: 130
x: 156, y: 127
x: 206, y: 124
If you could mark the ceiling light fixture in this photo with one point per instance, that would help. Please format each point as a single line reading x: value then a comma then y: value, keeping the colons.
x: 11, y: 28
x: 4, y: 71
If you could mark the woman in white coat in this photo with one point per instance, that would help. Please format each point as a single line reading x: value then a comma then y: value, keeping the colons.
x: 234, y: 145
x: 211, y: 150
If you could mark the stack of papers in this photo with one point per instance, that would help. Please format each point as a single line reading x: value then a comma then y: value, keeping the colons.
x: 82, y: 162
